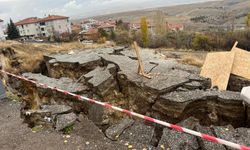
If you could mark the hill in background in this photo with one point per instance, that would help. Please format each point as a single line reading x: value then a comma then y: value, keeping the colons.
x: 199, y: 16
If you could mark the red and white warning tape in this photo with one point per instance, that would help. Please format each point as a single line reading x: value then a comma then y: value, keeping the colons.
x: 176, y: 127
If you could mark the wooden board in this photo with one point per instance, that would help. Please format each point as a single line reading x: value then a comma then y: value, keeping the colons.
x: 241, y: 66
x: 218, y: 68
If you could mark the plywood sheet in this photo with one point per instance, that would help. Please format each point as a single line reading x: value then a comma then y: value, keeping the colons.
x: 218, y: 68
x: 241, y: 66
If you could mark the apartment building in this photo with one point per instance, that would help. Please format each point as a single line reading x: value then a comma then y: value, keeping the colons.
x: 44, y: 27
x: 2, y: 35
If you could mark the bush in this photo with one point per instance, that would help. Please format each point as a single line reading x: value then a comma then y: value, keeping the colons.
x: 219, y: 40
x: 201, y: 42
x: 101, y: 40
x: 123, y: 37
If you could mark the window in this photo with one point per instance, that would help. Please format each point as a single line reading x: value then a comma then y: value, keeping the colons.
x: 42, y: 29
x: 43, y: 34
x: 59, y: 27
x: 42, y: 23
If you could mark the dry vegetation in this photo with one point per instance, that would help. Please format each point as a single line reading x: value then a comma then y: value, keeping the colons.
x: 188, y: 57
x: 192, y: 60
x: 30, y: 55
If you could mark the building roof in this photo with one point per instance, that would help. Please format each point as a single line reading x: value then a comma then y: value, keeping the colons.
x: 91, y: 31
x: 27, y: 21
x: 35, y: 19
x: 53, y: 17
x: 105, y: 25
x: 138, y: 25
x: 175, y: 26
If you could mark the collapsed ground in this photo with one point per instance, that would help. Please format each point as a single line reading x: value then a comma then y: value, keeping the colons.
x: 176, y: 93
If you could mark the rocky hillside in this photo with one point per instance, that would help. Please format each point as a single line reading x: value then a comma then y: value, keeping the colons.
x: 195, y: 15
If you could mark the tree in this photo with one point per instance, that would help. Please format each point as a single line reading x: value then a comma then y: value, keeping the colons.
x: 248, y: 19
x: 122, y: 25
x: 144, y: 31
x: 160, y: 23
x: 201, y: 42
x: 112, y: 35
x: 119, y: 22
x: 12, y: 31
x: 103, y: 33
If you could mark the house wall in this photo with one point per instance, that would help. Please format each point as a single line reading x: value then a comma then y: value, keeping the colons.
x: 2, y: 36
x: 59, y: 26
x: 45, y: 28
x: 29, y: 29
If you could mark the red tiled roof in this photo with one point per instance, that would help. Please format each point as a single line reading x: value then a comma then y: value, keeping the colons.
x: 111, y: 22
x: 27, y: 21
x: 106, y: 26
x: 91, y: 31
x: 53, y: 17
x: 35, y: 19
x: 175, y: 26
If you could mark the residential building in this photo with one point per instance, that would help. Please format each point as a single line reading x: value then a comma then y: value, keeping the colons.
x: 107, y: 27
x: 137, y: 26
x: 44, y: 27
x: 88, y: 24
x: 76, y: 28
x: 2, y: 35
x: 92, y: 34
x: 175, y: 27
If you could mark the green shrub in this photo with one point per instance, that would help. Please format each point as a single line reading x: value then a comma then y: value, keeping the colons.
x: 201, y: 42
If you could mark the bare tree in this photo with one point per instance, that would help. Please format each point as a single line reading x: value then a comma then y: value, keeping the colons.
x: 159, y: 22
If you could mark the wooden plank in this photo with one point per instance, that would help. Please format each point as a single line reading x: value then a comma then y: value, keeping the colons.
x: 241, y: 66
x: 218, y: 68
x: 141, y: 70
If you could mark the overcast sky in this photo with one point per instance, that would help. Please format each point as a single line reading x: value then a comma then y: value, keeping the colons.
x: 20, y: 9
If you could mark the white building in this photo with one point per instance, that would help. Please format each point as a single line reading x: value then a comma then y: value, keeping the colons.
x: 44, y: 27
x: 2, y: 35
x: 88, y: 24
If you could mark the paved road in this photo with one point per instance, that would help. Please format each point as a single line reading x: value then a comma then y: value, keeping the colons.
x: 15, y: 135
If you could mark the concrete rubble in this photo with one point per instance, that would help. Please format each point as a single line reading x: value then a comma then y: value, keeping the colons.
x: 113, y: 132
x: 206, y: 145
x: 65, y: 120
x: 175, y: 140
x: 175, y: 93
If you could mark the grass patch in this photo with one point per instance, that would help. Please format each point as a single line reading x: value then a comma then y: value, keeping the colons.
x: 37, y: 129
x: 13, y: 97
x: 68, y: 129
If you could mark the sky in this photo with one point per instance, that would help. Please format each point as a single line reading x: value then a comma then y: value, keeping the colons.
x: 20, y: 9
